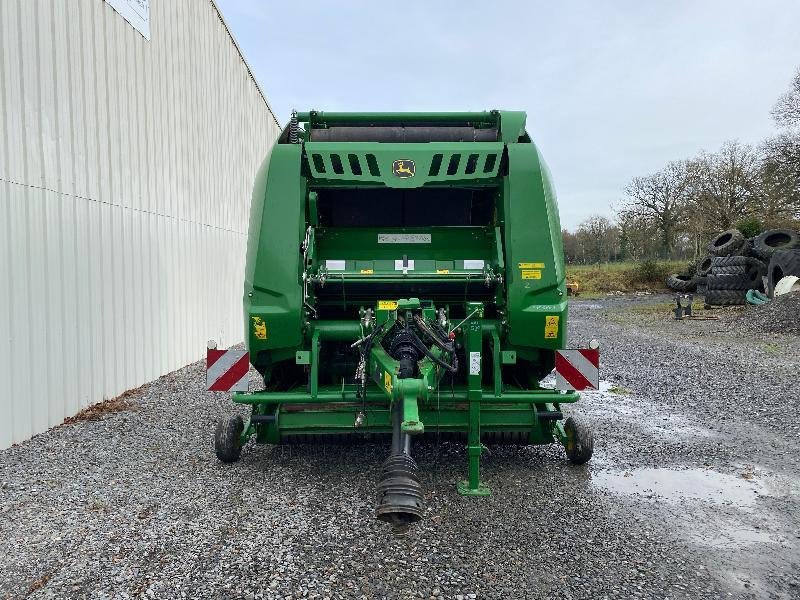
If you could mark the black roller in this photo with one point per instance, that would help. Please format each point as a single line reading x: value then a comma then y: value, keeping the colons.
x: 403, y: 134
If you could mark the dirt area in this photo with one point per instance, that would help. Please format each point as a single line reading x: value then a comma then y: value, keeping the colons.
x: 693, y: 491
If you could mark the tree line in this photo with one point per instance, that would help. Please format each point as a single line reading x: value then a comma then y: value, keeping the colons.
x: 674, y: 212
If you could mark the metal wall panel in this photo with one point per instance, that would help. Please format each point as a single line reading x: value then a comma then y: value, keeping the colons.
x: 126, y: 168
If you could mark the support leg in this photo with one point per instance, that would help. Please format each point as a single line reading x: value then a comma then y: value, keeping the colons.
x: 474, y: 343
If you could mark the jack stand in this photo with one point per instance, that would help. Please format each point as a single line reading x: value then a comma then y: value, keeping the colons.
x: 681, y: 310
x: 474, y: 341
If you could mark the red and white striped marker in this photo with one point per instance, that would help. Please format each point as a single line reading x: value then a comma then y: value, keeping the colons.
x: 578, y: 369
x: 227, y: 370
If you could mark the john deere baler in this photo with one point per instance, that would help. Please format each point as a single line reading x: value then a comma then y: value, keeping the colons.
x: 405, y: 275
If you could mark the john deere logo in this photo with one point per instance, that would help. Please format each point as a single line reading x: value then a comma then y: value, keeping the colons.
x: 403, y: 168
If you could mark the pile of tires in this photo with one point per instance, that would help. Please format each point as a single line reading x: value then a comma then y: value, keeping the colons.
x: 736, y: 264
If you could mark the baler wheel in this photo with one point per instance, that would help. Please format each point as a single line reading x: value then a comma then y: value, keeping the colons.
x: 580, y: 441
x: 227, y: 439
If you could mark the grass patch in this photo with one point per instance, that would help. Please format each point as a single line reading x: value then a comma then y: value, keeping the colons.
x: 99, y: 411
x: 619, y: 390
x: 627, y: 277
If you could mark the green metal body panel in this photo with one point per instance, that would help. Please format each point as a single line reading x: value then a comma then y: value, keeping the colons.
x: 341, y: 232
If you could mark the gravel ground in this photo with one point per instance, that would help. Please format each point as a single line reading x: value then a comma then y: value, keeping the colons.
x: 692, y: 493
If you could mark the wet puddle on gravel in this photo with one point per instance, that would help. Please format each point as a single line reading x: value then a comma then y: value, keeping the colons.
x: 675, y: 486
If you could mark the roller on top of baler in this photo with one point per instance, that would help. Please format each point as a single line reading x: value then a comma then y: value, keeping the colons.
x: 391, y: 255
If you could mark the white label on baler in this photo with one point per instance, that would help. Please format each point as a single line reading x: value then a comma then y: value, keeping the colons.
x: 336, y: 265
x: 399, y: 266
x: 474, y: 363
x: 473, y: 264
x: 404, y: 238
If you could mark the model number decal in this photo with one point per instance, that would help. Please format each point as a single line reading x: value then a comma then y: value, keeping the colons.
x: 404, y: 238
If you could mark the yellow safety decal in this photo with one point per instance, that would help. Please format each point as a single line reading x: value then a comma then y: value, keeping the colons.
x: 387, y: 381
x: 387, y: 304
x: 551, y: 327
x: 532, y: 274
x: 367, y: 271
x: 442, y: 271
x: 531, y: 265
x: 259, y: 328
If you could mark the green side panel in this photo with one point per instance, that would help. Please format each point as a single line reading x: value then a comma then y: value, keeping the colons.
x: 273, y: 291
x: 534, y: 254
x: 433, y: 162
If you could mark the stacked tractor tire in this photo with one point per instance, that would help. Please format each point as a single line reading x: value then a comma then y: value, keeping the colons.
x: 735, y: 264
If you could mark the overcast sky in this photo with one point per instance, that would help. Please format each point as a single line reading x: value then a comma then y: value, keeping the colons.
x: 613, y: 89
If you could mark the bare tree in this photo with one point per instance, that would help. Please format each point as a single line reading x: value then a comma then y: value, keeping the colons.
x: 780, y: 180
x: 659, y: 201
x: 724, y: 185
x: 786, y: 111
x: 597, y: 239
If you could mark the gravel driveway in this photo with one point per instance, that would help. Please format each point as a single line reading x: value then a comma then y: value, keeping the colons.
x: 693, y: 492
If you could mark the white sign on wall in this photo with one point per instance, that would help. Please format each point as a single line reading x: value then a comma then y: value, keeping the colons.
x: 135, y: 12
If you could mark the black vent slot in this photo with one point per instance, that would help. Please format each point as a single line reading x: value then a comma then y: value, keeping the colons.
x: 452, y: 168
x: 491, y: 159
x: 372, y: 163
x: 436, y: 165
x: 472, y: 164
x: 336, y: 163
x: 319, y: 164
x: 355, y: 166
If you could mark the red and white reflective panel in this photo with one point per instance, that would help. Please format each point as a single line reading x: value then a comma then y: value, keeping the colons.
x: 227, y: 370
x: 578, y: 369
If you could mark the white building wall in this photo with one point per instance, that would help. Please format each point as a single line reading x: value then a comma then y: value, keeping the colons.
x: 126, y: 168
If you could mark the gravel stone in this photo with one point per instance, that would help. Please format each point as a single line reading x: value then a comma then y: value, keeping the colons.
x: 136, y: 505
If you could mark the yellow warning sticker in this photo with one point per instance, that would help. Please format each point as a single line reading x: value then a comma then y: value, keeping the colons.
x: 531, y: 265
x: 551, y: 327
x: 367, y: 271
x: 535, y: 274
x: 442, y: 271
x: 259, y: 328
x: 387, y: 381
x: 387, y: 304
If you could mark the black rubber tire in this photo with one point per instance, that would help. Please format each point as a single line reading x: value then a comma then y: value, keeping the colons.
x: 747, y: 247
x: 681, y: 283
x: 775, y: 239
x: 728, y: 282
x: 737, y: 270
x: 728, y: 261
x: 227, y: 440
x: 726, y: 243
x: 756, y: 270
x: 702, y: 285
x: 704, y: 266
x: 725, y: 297
x: 782, y: 263
x: 580, y: 441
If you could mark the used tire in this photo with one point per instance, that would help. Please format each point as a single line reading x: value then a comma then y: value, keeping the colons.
x: 580, y: 441
x: 728, y: 282
x: 726, y: 243
x: 227, y: 439
x: 782, y: 263
x: 728, y: 261
x: 756, y: 270
x: 775, y: 239
x: 735, y: 270
x: 704, y: 266
x: 702, y: 285
x: 725, y: 297
x: 681, y: 283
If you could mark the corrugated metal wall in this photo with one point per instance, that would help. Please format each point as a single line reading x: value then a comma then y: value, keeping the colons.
x: 125, y: 175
